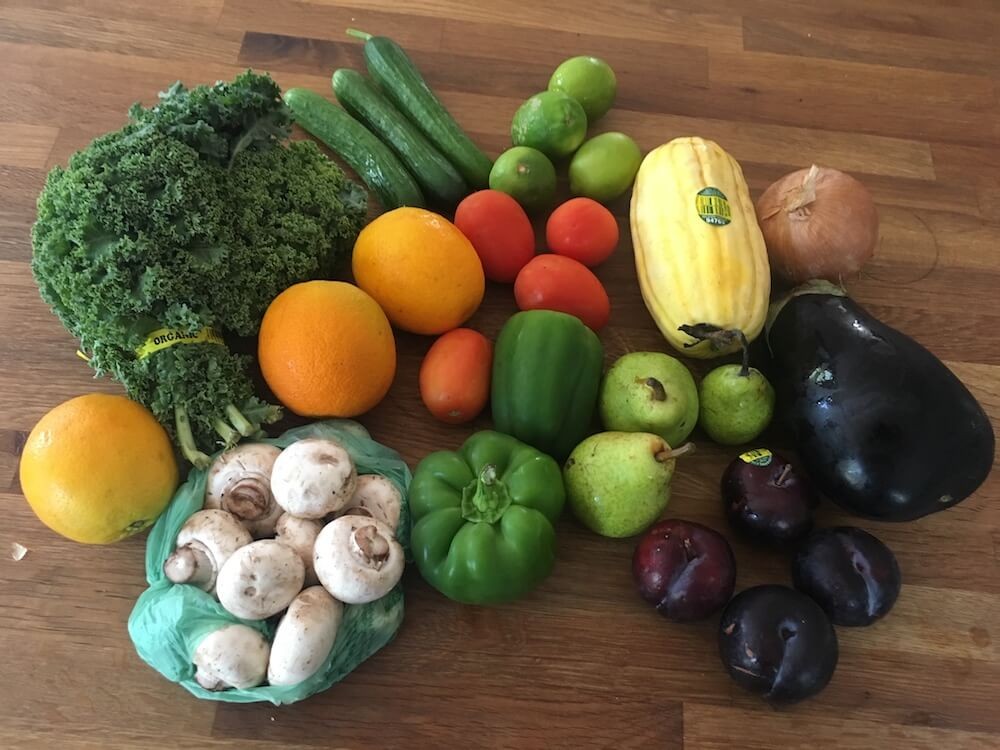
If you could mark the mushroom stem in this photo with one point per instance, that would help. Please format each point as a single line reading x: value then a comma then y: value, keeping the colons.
x: 248, y: 498
x: 357, y: 559
x: 370, y: 546
x: 239, y: 482
x: 206, y: 540
x: 189, y: 564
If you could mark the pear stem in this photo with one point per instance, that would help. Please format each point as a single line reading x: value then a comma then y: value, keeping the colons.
x: 745, y: 345
x: 663, y: 456
x: 659, y: 392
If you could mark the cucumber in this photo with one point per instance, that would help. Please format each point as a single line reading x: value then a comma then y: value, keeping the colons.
x: 435, y: 175
x: 402, y: 83
x: 381, y: 171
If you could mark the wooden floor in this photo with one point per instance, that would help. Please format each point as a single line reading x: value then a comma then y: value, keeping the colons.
x: 905, y: 94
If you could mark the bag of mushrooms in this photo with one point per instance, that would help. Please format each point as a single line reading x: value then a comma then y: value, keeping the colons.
x: 274, y: 573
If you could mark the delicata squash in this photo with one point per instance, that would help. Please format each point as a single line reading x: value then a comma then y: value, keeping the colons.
x: 699, y: 252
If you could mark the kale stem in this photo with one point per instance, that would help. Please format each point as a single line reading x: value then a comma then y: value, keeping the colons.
x: 359, y: 34
x: 241, y: 423
x: 229, y: 436
x: 186, y: 439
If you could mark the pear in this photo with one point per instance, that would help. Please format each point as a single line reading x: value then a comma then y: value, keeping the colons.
x: 737, y: 404
x: 618, y: 483
x: 650, y: 392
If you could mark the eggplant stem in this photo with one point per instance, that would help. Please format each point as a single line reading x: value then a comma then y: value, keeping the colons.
x: 685, y: 450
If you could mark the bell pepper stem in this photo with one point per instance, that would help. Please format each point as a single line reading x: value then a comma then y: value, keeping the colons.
x: 486, y: 498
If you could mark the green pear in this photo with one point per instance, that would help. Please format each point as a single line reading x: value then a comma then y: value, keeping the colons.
x: 618, y: 483
x: 650, y: 392
x: 737, y: 404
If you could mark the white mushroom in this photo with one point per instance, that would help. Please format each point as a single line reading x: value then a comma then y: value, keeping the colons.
x: 260, y: 580
x: 206, y: 540
x: 299, y: 534
x: 357, y: 559
x: 375, y: 497
x: 313, y: 477
x: 240, y: 482
x: 235, y: 656
x: 304, y: 637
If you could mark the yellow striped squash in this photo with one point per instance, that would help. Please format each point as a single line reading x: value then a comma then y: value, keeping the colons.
x: 699, y: 252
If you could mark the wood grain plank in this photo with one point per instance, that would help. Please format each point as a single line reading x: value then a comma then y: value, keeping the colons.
x: 90, y: 91
x: 183, y: 13
x: 23, y: 145
x: 645, y: 20
x: 63, y: 29
x: 849, y: 96
x: 803, y: 39
x: 17, y: 210
x: 926, y: 18
x: 708, y: 727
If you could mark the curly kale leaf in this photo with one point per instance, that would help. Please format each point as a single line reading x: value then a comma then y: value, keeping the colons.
x: 130, y: 237
x: 194, y: 215
x: 296, y: 216
x: 223, y: 120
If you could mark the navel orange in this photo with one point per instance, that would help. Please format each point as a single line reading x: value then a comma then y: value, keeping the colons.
x: 326, y: 349
x: 421, y: 269
x: 98, y: 468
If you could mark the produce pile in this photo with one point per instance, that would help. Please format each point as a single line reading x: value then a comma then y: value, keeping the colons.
x: 199, y: 220
x: 182, y: 225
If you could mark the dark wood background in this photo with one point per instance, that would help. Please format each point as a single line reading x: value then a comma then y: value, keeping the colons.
x: 902, y: 93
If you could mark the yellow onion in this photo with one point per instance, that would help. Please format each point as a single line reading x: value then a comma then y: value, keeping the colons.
x: 818, y: 223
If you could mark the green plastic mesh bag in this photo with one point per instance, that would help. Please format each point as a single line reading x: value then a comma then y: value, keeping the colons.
x: 170, y: 620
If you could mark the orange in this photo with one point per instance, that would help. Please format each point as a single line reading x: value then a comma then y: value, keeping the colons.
x: 98, y: 468
x: 421, y: 269
x: 326, y: 349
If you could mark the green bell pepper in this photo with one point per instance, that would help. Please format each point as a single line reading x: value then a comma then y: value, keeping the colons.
x: 546, y: 376
x: 482, y: 518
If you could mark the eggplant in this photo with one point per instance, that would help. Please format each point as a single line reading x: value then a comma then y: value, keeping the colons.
x: 882, y: 426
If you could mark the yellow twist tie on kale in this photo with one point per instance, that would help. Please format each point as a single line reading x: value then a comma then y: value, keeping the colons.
x: 164, y: 338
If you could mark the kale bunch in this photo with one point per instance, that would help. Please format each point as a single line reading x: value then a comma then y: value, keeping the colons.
x: 191, y: 218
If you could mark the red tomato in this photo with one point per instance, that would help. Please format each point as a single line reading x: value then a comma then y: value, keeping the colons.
x: 582, y: 229
x: 500, y: 230
x: 455, y: 375
x: 555, y: 282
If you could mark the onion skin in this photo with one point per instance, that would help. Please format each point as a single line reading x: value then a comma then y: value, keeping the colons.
x: 818, y: 223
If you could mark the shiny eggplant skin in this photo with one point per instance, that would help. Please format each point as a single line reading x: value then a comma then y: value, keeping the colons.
x: 882, y: 426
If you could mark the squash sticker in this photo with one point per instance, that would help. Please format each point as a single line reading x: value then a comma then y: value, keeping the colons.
x: 713, y: 207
